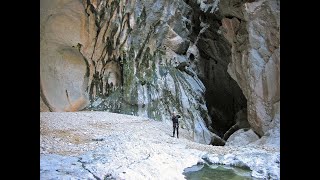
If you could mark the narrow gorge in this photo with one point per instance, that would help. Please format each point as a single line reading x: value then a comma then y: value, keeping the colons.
x: 215, y: 62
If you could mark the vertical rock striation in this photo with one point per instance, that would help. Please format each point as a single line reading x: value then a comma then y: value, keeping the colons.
x: 255, y: 64
x: 208, y: 60
x: 121, y: 56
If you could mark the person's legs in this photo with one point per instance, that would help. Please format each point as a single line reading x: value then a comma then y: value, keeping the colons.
x: 174, y: 128
x: 177, y: 130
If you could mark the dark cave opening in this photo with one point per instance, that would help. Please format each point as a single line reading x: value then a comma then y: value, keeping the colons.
x: 226, y: 103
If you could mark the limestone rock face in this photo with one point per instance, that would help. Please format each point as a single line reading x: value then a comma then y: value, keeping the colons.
x: 255, y: 61
x: 206, y: 60
x: 121, y: 56
x: 272, y: 136
x: 62, y: 66
x: 240, y: 39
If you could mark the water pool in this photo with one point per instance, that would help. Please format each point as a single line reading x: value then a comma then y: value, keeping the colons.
x: 218, y: 172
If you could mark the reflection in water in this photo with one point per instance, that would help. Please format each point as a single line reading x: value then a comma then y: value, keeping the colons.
x: 204, y: 172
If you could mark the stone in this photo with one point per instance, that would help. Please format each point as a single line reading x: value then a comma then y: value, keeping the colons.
x: 242, y: 138
x: 216, y: 140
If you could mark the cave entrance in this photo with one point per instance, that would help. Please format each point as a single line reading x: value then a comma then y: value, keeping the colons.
x: 225, y: 100
x: 226, y: 103
x: 226, y: 106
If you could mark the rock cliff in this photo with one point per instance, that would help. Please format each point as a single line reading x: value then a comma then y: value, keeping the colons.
x: 207, y: 60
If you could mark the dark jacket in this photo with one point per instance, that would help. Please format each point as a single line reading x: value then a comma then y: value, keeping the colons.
x: 175, y: 119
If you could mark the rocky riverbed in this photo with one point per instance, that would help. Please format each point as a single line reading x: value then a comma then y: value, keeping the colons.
x: 102, y: 145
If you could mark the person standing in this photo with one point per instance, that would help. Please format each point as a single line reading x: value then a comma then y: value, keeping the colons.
x: 175, y: 122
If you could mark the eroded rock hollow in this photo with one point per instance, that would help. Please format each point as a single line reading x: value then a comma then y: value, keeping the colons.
x: 214, y: 62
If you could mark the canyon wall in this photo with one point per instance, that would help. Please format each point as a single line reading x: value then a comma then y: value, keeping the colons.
x: 206, y: 60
